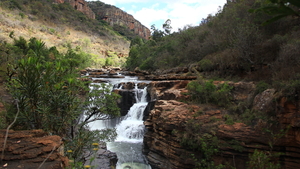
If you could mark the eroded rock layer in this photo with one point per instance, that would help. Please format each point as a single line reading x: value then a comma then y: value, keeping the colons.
x: 32, y: 149
x: 116, y: 16
x: 169, y: 120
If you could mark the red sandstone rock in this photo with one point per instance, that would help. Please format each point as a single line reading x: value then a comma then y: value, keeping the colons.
x: 28, y: 149
x: 162, y: 145
x: 115, y: 16
x: 168, y: 90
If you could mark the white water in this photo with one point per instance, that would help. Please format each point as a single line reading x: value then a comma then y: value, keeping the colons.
x: 130, y: 129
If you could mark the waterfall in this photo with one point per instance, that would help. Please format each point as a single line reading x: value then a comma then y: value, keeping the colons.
x: 129, y: 142
x: 131, y: 128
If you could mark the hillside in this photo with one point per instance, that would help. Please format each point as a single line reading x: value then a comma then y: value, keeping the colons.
x: 60, y: 25
x: 234, y: 44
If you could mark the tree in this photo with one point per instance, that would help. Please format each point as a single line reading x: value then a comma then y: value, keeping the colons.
x: 167, y: 27
x: 279, y: 9
x: 156, y: 33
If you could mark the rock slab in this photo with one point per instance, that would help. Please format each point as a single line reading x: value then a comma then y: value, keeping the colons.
x: 32, y: 149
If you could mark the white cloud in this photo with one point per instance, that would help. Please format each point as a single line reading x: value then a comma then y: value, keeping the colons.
x: 180, y: 12
x: 148, y: 16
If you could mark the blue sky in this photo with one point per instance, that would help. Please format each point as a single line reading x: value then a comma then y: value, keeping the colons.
x: 180, y: 12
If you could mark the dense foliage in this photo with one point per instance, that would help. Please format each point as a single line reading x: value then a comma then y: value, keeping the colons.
x: 255, y: 40
x: 50, y: 95
x: 234, y: 42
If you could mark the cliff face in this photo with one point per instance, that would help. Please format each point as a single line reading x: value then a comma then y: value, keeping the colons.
x: 110, y: 14
x: 80, y: 5
x: 170, y: 120
x: 115, y: 16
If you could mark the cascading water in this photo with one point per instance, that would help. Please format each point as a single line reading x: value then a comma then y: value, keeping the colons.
x: 130, y: 130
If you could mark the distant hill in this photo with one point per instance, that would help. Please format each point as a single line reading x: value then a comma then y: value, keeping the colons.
x: 60, y: 25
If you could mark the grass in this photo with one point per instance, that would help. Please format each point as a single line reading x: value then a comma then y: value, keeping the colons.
x: 59, y: 31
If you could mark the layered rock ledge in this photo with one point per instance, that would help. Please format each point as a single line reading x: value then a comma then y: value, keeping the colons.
x: 32, y: 149
x: 166, y: 126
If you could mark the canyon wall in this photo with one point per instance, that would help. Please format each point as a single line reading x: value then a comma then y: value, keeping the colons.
x: 171, y: 121
x: 80, y: 5
x: 110, y: 14
x: 116, y: 16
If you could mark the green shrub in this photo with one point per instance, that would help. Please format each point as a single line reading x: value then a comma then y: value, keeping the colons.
x: 14, y: 4
x: 206, y: 65
x: 228, y: 120
x: 109, y: 61
x: 200, y: 138
x: 222, y: 96
x: 22, y: 15
x: 262, y: 160
x: 262, y: 86
x: 207, y: 92
x: 201, y: 91
x: 47, y: 88
x: 52, y: 31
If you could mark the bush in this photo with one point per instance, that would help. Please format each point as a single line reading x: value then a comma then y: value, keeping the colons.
x: 47, y: 87
x: 261, y: 160
x: 262, y: 86
x: 201, y: 91
x: 201, y: 139
x: 14, y: 4
x: 206, y: 65
x: 207, y: 92
x: 109, y: 62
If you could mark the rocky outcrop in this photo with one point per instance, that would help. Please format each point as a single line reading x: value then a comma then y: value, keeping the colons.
x: 32, y: 149
x: 168, y: 122
x: 167, y: 90
x: 80, y: 5
x: 103, y: 159
x: 116, y: 16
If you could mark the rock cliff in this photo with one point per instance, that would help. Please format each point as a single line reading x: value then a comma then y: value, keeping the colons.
x: 171, y: 122
x: 116, y: 16
x: 80, y: 5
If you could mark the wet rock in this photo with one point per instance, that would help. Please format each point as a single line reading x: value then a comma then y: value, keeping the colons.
x: 126, y: 101
x: 105, y: 159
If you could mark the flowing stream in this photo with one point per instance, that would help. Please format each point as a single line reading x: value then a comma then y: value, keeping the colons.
x: 130, y: 129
